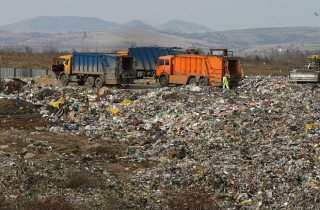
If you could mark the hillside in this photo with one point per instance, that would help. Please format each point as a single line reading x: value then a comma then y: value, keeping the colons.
x: 183, y: 27
x: 60, y: 24
x: 93, y: 34
x: 105, y: 41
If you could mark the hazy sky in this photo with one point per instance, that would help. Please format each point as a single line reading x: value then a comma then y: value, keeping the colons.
x: 215, y: 14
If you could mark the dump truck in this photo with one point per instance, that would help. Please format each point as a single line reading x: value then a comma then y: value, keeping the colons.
x: 94, y: 69
x: 146, y: 58
x: 202, y: 70
x: 309, y: 72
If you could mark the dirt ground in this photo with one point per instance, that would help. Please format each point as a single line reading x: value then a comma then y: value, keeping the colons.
x: 45, y: 170
x: 31, y: 157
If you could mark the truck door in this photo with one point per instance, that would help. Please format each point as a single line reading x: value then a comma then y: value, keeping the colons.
x: 67, y: 65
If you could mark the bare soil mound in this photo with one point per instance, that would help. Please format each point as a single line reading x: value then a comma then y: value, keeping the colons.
x: 20, y: 114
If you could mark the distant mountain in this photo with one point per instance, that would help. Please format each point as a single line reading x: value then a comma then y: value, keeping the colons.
x: 178, y: 26
x: 60, y: 24
x: 264, y: 39
x: 94, y: 34
x: 137, y: 24
x: 71, y: 23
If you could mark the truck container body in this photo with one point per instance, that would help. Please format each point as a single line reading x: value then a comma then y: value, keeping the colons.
x: 197, y: 69
x: 146, y: 58
x: 95, y: 69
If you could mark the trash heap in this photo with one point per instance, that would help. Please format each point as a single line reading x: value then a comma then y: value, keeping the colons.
x: 253, y: 147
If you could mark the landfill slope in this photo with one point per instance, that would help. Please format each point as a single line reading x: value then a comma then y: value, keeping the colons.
x: 186, y: 147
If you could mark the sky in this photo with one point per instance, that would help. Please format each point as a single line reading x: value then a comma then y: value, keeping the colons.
x: 216, y: 15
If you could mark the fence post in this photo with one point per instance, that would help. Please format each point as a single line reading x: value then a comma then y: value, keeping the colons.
x: 30, y: 73
x: 14, y: 72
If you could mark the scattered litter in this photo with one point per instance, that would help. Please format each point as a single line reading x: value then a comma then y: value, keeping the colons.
x: 255, y: 146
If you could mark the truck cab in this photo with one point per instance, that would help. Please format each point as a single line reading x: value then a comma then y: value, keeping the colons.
x: 62, y: 64
x: 164, y: 65
x: 314, y: 59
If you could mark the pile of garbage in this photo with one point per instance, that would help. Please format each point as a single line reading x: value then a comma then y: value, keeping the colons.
x: 253, y: 147
x: 13, y: 85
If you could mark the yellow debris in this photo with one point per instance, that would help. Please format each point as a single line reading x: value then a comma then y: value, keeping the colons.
x: 201, y: 172
x: 57, y: 103
x: 245, y: 201
x: 114, y: 110
x: 47, y: 76
x: 311, y: 125
x: 126, y: 101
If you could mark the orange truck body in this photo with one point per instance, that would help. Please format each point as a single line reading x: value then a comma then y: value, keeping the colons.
x: 200, y: 70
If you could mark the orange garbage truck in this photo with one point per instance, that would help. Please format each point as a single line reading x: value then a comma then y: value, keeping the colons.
x: 202, y: 70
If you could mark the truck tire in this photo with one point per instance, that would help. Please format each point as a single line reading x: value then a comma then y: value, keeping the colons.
x: 99, y: 82
x: 192, y: 81
x: 64, y: 79
x: 90, y: 81
x: 163, y: 80
x: 203, y: 82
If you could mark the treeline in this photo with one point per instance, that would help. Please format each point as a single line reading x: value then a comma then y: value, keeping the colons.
x: 48, y: 50
x: 274, y: 56
x: 280, y: 57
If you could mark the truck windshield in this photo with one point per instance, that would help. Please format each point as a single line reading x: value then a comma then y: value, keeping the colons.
x: 160, y: 62
x: 60, y: 61
x: 163, y: 62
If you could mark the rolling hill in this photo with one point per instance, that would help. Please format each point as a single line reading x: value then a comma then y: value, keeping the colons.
x: 60, y: 24
x: 94, y: 34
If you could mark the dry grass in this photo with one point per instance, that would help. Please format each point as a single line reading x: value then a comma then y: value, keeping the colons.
x: 26, y: 60
x: 265, y: 69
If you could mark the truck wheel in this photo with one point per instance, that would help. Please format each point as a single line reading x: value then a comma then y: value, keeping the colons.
x: 163, y: 80
x: 192, y: 81
x: 90, y: 81
x: 203, y: 82
x: 99, y: 82
x: 64, y: 79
